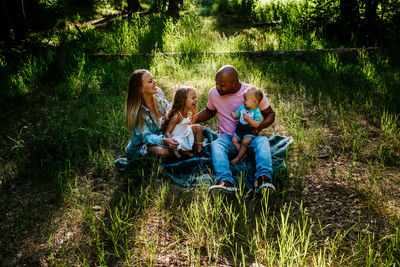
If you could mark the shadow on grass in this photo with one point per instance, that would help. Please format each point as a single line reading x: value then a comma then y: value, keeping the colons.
x: 30, y: 194
x: 43, y: 152
x: 230, y: 25
x: 341, y: 209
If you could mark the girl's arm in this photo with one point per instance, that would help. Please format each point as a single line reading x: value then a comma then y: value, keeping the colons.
x: 171, y: 125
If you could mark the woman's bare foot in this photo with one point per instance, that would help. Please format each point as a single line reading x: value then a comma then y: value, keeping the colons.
x: 186, y: 154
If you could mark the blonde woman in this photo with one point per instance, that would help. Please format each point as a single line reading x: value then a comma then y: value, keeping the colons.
x: 145, y: 110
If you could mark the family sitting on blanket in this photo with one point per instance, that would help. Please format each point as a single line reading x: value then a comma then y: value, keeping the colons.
x: 147, y: 110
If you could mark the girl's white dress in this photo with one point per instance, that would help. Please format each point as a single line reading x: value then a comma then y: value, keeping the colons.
x: 184, y: 135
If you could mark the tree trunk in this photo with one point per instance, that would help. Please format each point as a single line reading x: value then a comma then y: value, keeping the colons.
x: 5, y: 23
x: 134, y: 6
x: 156, y: 5
x: 371, y: 18
x: 173, y: 6
x: 349, y: 18
x: 371, y: 7
x: 15, y: 14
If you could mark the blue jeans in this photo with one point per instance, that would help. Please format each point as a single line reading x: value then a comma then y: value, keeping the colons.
x: 222, y: 150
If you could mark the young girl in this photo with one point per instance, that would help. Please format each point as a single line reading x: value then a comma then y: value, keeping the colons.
x: 177, y: 123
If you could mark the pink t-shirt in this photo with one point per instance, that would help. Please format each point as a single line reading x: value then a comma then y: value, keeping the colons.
x: 224, y: 105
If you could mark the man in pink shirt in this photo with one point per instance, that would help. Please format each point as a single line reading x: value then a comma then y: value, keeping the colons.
x: 224, y: 98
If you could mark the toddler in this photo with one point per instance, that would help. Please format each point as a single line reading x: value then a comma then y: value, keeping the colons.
x: 249, y: 117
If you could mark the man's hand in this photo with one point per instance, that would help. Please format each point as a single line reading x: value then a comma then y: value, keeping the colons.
x: 255, y: 131
x: 193, y: 119
x: 269, y: 118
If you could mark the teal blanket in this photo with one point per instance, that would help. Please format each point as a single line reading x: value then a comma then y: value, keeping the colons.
x: 199, y: 171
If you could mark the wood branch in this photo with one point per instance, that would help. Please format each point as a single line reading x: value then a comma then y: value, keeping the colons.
x: 262, y: 53
x: 267, y: 24
x: 80, y: 33
x: 102, y: 20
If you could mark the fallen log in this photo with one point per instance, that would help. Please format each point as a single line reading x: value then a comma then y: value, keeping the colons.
x: 267, y: 24
x: 261, y: 53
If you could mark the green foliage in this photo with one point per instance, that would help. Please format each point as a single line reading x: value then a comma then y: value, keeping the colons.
x: 69, y: 128
x: 370, y: 24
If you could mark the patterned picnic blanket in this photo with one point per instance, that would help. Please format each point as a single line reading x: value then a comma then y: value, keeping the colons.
x: 199, y: 171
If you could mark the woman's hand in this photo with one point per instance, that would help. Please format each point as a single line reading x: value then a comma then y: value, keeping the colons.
x: 170, y: 143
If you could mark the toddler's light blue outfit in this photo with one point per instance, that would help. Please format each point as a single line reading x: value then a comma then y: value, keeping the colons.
x: 243, y: 128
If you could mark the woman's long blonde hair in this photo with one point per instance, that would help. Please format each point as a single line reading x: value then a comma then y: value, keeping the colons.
x: 134, y: 111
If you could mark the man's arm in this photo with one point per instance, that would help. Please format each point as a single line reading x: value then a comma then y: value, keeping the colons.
x: 269, y: 118
x: 205, y: 114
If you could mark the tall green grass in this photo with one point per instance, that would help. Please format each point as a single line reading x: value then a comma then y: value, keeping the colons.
x: 64, y: 138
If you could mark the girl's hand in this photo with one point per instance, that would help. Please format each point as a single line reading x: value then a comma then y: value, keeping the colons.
x: 246, y: 116
x: 170, y: 143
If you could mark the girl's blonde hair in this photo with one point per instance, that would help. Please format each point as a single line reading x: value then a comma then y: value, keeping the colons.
x: 179, y: 103
x: 134, y: 111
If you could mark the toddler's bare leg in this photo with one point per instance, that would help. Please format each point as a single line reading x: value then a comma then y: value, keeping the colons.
x: 198, y: 136
x: 236, y: 143
x: 243, y: 149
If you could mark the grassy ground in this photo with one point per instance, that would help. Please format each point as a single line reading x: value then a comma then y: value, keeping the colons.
x: 62, y: 126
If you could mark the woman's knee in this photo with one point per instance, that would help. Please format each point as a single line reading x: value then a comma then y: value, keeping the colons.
x: 164, y: 152
x: 159, y: 151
